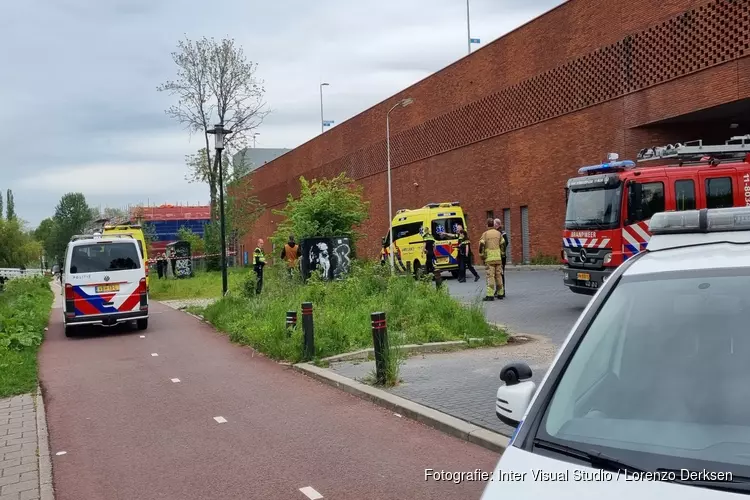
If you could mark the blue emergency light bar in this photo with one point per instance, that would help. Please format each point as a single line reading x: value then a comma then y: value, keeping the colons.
x: 613, y: 166
x: 713, y: 220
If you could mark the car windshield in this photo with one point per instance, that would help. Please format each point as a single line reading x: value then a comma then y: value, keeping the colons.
x: 593, y: 208
x: 102, y: 257
x: 660, y: 379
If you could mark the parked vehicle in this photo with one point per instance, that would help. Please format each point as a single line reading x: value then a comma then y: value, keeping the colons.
x: 648, y: 396
x: 137, y: 232
x: 104, y: 282
x: 442, y: 219
x: 609, y: 206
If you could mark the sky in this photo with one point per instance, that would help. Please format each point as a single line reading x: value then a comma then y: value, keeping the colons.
x: 80, y: 112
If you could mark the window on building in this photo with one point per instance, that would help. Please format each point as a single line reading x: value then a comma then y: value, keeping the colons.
x: 684, y: 190
x: 719, y: 192
x: 490, y: 214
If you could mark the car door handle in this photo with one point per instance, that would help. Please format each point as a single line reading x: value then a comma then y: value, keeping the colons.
x: 110, y: 303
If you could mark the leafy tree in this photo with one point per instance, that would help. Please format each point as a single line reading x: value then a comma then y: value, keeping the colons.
x: 197, y: 245
x: 45, y: 235
x: 115, y: 214
x: 10, y: 203
x: 17, y: 247
x: 72, y: 215
x: 215, y: 84
x: 1, y: 205
x: 324, y: 208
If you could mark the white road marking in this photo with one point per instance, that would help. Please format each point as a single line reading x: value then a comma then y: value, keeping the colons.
x: 310, y: 493
x: 175, y: 380
x: 154, y: 354
x: 399, y: 416
x: 61, y: 453
x: 143, y: 336
x: 220, y: 420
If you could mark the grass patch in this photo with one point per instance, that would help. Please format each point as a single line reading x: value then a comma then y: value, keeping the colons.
x: 25, y: 305
x: 541, y: 259
x: 416, y: 312
x: 204, y: 285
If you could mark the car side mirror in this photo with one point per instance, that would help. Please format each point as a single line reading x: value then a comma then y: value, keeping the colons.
x: 514, y: 397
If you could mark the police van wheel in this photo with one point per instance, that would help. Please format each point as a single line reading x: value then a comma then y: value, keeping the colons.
x: 142, y: 323
x: 70, y: 331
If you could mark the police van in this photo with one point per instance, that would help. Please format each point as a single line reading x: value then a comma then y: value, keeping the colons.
x: 648, y: 397
x: 442, y: 220
x: 104, y: 282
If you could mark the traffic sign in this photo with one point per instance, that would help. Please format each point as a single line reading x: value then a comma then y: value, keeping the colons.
x: 474, y: 40
x: 327, y: 123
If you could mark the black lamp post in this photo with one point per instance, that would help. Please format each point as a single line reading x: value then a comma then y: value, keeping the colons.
x: 219, y: 132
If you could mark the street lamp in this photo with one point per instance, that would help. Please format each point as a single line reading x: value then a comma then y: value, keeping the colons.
x: 219, y: 132
x: 403, y: 103
x: 322, y: 123
x: 256, y: 134
x: 468, y: 26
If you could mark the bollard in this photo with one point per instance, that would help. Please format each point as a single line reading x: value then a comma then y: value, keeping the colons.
x: 291, y: 322
x: 380, y: 344
x: 307, y: 331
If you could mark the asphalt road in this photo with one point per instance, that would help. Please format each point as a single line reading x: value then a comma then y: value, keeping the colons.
x: 536, y: 302
x: 129, y: 432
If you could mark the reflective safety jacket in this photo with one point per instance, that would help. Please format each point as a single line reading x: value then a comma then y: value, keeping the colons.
x: 259, y: 258
x: 491, y: 246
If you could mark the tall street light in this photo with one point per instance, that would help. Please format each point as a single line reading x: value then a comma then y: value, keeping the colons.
x: 322, y: 123
x: 256, y: 134
x: 468, y: 26
x: 219, y: 132
x: 402, y: 103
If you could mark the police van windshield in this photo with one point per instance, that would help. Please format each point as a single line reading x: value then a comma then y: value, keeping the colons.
x: 660, y: 378
x: 103, y: 257
x: 596, y: 208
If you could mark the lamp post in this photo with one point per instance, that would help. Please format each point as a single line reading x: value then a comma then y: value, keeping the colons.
x: 468, y: 27
x: 256, y: 134
x: 322, y: 123
x: 402, y: 103
x: 219, y: 132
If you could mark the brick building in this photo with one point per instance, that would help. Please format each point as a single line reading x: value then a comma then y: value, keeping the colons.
x: 502, y: 129
x: 167, y: 220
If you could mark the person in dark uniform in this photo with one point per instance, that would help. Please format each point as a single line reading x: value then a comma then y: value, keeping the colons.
x: 504, y: 248
x: 429, y: 245
x: 384, y: 252
x: 259, y: 262
x: 464, y: 257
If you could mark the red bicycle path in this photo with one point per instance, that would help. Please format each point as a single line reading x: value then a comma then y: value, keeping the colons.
x: 129, y: 432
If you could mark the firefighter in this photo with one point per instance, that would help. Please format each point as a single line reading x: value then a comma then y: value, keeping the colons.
x: 429, y: 246
x: 499, y: 227
x: 290, y: 253
x: 490, y: 248
x: 464, y: 257
x: 259, y: 262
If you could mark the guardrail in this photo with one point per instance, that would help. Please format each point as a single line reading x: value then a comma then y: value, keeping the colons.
x: 10, y: 273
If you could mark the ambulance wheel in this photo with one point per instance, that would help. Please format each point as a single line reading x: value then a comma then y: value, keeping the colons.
x: 142, y: 323
x: 70, y: 331
x: 418, y: 272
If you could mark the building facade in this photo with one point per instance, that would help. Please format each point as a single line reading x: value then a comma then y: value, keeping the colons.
x: 502, y: 129
x: 166, y: 221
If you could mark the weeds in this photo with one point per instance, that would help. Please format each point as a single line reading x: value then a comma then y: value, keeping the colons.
x: 541, y: 259
x: 416, y: 313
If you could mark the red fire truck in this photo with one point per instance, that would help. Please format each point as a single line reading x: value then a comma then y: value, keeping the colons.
x: 609, y: 206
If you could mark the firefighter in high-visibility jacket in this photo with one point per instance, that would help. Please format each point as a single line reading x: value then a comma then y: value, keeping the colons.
x: 259, y: 262
x: 491, y: 250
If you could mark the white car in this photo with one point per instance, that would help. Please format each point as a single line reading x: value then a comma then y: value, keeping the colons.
x: 104, y: 283
x: 649, y: 396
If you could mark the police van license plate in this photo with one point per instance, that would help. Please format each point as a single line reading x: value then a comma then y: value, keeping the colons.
x: 107, y: 288
x: 442, y: 260
x: 584, y: 276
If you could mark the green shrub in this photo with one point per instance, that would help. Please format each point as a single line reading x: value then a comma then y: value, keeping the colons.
x: 24, y: 311
x: 416, y: 313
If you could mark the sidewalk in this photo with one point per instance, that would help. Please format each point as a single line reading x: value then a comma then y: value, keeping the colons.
x: 21, y: 452
x: 464, y: 383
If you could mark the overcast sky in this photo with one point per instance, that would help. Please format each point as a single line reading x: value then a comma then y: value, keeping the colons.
x: 80, y: 110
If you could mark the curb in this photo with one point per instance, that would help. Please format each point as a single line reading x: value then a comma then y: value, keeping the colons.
x: 408, y: 348
x: 438, y: 420
x: 46, y: 490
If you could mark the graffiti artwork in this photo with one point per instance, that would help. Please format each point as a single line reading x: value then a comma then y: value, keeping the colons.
x: 341, y: 252
x: 330, y: 256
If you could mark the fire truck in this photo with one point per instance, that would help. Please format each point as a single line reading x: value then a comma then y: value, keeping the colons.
x: 609, y: 205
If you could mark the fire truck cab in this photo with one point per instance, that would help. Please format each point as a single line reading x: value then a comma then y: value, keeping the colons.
x: 609, y: 205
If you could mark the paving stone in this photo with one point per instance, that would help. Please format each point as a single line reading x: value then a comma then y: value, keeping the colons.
x: 21, y: 469
x: 29, y: 495
x: 19, y: 487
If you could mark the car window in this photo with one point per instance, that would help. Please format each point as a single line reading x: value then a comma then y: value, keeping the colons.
x: 446, y: 225
x: 684, y: 194
x: 406, y: 230
x: 719, y: 192
x: 652, y: 198
x: 662, y: 372
x: 103, y: 257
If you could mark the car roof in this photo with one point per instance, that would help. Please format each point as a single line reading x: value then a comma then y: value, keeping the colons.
x: 694, y: 251
x: 102, y: 239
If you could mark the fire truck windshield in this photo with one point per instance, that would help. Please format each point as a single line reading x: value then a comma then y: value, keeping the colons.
x: 597, y: 208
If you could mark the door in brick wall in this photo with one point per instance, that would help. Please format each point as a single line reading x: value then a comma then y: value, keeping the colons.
x: 506, y: 226
x: 525, y: 235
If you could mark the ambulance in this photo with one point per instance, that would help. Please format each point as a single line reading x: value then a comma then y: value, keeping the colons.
x: 104, y: 282
x: 137, y: 232
x: 443, y: 221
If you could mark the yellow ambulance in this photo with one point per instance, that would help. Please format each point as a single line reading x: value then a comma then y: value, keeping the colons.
x: 443, y: 221
x: 137, y: 232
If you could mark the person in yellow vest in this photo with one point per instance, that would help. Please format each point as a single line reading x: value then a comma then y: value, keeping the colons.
x: 259, y: 262
x: 490, y: 248
x: 384, y: 252
x: 290, y: 253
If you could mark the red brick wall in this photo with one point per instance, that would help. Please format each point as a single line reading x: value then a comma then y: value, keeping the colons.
x: 506, y: 126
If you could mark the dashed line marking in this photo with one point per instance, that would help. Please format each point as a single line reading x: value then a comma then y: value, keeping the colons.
x: 175, y: 380
x: 143, y: 336
x: 310, y: 493
x: 61, y: 453
x: 220, y: 420
x: 154, y: 354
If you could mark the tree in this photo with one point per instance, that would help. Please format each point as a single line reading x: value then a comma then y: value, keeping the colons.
x: 197, y: 246
x: 1, y: 205
x: 17, y: 247
x: 10, y: 203
x: 324, y: 208
x: 72, y: 215
x: 115, y: 215
x: 45, y: 235
x: 215, y: 84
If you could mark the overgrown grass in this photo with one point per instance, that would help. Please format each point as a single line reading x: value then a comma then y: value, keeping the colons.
x: 416, y: 313
x: 25, y: 305
x: 541, y: 259
x: 203, y: 285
